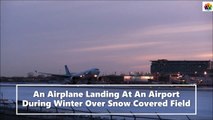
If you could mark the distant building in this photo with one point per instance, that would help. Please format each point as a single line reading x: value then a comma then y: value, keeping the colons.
x: 211, y: 65
x: 188, y: 67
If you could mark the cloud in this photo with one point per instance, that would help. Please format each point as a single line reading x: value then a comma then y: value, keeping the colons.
x: 115, y: 47
x: 174, y: 29
x: 143, y: 67
x: 205, y: 55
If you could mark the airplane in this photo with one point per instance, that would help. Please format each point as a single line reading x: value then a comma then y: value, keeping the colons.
x: 87, y: 74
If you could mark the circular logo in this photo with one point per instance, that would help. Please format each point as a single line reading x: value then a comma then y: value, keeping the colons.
x: 208, y: 6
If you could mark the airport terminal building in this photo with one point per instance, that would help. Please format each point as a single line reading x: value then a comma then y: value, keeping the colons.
x: 164, y: 66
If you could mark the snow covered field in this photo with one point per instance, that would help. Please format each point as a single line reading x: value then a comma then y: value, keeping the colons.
x: 204, y: 100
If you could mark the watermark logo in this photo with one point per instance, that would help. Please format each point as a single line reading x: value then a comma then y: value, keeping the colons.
x: 207, y: 6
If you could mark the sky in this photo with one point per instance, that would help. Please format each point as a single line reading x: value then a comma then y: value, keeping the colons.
x: 114, y: 36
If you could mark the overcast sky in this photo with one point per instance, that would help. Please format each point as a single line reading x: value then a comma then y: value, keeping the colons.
x: 119, y: 36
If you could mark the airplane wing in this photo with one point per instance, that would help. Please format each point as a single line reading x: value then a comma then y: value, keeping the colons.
x: 55, y: 75
x: 66, y: 75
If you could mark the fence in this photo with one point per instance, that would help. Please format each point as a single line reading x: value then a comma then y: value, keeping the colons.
x: 8, y: 107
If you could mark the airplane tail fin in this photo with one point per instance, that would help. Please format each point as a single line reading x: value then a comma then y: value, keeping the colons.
x: 67, y: 71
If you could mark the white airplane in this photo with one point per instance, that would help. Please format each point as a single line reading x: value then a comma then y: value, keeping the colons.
x: 87, y: 74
